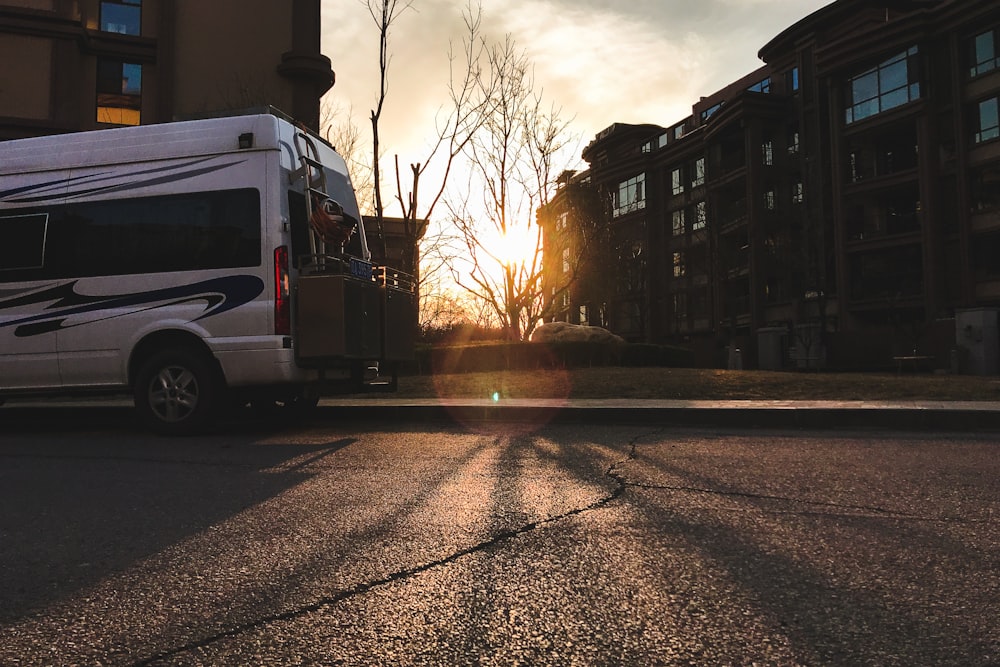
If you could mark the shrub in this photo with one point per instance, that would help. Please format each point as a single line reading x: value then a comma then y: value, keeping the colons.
x: 560, y: 354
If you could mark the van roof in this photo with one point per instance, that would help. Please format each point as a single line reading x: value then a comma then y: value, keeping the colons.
x: 139, y: 144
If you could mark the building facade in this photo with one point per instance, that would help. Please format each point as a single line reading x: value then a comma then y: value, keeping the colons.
x: 72, y: 65
x: 839, y: 205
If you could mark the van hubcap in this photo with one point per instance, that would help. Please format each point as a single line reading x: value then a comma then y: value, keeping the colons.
x: 173, y: 393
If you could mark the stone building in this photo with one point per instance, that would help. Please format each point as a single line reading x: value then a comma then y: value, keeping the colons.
x: 840, y: 205
x: 71, y: 65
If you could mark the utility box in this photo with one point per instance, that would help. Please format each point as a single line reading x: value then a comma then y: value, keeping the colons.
x: 978, y: 338
x: 772, y: 345
x: 338, y: 317
x: 399, y: 323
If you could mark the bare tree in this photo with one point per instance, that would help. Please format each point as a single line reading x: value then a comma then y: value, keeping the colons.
x: 452, y: 133
x: 511, y: 156
x: 580, y: 256
x: 454, y: 130
x: 384, y: 13
x: 339, y: 129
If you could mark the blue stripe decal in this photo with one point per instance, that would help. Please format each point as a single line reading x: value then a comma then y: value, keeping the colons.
x: 47, y: 184
x: 219, y: 294
x: 118, y: 185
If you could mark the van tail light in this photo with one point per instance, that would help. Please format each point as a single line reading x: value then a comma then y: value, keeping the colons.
x: 282, y: 296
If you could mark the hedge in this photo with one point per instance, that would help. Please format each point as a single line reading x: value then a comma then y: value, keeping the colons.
x: 531, y: 356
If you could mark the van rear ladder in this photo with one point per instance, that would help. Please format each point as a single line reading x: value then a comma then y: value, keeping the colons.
x: 314, y: 187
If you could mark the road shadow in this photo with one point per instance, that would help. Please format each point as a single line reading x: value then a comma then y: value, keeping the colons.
x: 844, y: 583
x: 82, y: 502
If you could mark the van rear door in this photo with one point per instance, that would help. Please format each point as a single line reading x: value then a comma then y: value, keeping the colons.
x: 27, y: 346
x: 27, y: 357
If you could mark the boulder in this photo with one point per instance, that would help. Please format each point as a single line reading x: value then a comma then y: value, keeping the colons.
x: 565, y: 332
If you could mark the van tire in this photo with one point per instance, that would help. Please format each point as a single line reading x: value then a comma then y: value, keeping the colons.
x: 176, y: 391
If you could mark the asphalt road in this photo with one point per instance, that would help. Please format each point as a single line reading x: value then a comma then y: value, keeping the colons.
x: 362, y: 544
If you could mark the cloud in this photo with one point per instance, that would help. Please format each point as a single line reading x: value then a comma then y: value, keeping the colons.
x: 600, y: 61
x: 603, y: 66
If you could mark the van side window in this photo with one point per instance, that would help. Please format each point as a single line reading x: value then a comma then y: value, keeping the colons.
x: 24, y: 242
x: 186, y: 232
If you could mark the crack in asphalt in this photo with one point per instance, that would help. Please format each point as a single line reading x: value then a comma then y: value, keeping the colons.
x: 872, y: 510
x: 621, y: 485
x: 360, y: 589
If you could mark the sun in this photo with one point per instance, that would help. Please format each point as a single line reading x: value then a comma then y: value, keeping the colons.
x: 517, y: 246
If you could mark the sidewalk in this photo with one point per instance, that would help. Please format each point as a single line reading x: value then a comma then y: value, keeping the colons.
x: 896, y: 415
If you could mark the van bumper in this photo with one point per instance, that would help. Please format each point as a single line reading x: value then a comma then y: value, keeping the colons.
x: 270, y: 360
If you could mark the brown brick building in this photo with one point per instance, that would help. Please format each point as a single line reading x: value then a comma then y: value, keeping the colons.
x: 70, y: 65
x: 839, y: 205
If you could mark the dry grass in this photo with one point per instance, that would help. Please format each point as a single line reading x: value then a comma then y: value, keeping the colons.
x: 691, y: 384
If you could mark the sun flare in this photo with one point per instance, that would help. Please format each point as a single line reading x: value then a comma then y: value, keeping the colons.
x: 516, y: 247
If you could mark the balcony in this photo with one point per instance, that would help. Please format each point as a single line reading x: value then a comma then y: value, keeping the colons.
x: 738, y: 307
x: 887, y: 153
x: 883, y: 223
x: 732, y: 213
x: 888, y: 276
x: 894, y: 211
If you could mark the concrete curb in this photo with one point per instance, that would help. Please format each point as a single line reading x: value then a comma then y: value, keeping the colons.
x: 932, y: 416
x: 938, y: 416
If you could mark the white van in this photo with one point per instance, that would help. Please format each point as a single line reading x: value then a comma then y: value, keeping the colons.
x: 190, y: 263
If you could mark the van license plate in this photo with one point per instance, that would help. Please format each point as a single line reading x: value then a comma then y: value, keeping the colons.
x: 361, y: 269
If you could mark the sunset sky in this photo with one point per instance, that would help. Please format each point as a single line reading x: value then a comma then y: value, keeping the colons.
x: 601, y: 61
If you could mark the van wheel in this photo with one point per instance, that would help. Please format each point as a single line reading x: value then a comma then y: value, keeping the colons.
x: 176, y: 391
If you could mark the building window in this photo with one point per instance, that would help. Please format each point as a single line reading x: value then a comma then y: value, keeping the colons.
x: 892, y: 83
x: 984, y: 53
x: 562, y: 221
x: 677, y: 221
x: 655, y: 144
x: 887, y: 274
x: 584, y: 315
x: 985, y: 189
x: 989, y: 121
x: 680, y: 308
x: 678, y: 265
x: 767, y: 153
x: 678, y: 131
x: 635, y: 268
x: 769, y: 200
x: 565, y: 260
x: 761, y: 86
x: 855, y: 167
x: 792, y: 79
x: 121, y: 16
x: 677, y: 181
x: 986, y: 257
x: 797, y: 193
x: 631, y: 195
x: 793, y: 141
x: 709, y: 112
x: 698, y: 173
x: 700, y: 217
x: 119, y: 92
